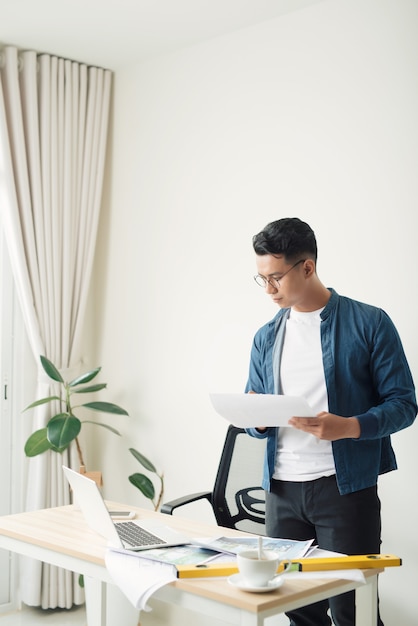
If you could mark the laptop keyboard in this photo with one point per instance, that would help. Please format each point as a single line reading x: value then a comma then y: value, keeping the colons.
x: 134, y: 535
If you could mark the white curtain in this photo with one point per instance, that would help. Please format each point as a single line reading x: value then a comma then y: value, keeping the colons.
x: 53, y: 131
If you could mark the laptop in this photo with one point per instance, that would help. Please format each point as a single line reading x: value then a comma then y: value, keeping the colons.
x: 129, y: 535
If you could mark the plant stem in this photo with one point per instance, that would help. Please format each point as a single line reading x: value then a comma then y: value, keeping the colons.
x: 160, y: 497
x: 70, y: 412
x: 79, y: 452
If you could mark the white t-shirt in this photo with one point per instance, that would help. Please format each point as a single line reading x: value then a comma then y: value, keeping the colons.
x: 301, y: 456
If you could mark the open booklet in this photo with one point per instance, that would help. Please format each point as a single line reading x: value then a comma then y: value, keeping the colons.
x: 222, y: 548
x: 286, y: 548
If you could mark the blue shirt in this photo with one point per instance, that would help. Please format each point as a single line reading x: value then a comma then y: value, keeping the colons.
x: 367, y: 376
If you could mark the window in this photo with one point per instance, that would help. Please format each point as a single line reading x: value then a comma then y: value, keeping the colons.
x: 10, y: 428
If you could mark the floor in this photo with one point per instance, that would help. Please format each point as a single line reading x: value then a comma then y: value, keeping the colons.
x: 37, y: 617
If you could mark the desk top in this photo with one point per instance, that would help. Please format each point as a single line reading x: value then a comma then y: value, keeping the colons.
x: 63, y: 530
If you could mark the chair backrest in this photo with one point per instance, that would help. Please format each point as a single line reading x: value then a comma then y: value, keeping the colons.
x: 238, y: 499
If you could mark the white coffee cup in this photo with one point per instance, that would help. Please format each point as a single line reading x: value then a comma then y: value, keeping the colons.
x: 255, y: 571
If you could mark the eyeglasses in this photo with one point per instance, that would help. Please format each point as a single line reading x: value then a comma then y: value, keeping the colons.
x: 262, y: 281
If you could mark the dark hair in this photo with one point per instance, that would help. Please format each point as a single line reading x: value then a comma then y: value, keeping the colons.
x: 289, y: 236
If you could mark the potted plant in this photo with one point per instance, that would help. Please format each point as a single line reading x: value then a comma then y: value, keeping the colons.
x: 143, y: 483
x: 64, y: 427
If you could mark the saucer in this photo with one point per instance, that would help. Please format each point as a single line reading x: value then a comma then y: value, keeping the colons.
x: 237, y: 581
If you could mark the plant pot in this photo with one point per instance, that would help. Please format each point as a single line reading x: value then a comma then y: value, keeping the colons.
x: 94, y: 475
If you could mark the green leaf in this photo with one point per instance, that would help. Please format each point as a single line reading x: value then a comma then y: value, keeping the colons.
x: 85, y: 378
x: 81, y: 581
x: 37, y: 443
x: 144, y: 485
x: 42, y: 401
x: 143, y: 460
x: 91, y: 389
x: 51, y: 370
x: 113, y: 430
x: 62, y: 430
x: 106, y: 407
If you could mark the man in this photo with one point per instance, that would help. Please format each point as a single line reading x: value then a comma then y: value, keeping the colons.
x: 347, y: 360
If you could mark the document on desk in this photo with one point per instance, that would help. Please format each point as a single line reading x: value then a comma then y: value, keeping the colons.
x: 140, y: 574
x: 249, y: 410
x: 136, y: 577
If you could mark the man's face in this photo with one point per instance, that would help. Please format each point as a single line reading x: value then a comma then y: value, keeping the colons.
x: 287, y: 284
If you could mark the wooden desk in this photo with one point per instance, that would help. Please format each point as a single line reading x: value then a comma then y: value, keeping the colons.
x: 61, y: 537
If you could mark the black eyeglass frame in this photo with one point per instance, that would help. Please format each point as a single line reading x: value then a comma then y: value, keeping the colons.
x: 262, y: 281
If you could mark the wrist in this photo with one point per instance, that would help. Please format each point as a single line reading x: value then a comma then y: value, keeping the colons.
x: 355, y: 428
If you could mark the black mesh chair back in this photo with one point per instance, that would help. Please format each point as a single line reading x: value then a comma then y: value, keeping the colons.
x: 237, y: 499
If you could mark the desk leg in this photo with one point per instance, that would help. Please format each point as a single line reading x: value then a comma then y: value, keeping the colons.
x: 366, y: 603
x: 96, y: 593
x: 249, y: 619
x: 106, y: 605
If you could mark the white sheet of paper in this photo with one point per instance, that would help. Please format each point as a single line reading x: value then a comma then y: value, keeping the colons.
x: 249, y: 410
x: 136, y: 577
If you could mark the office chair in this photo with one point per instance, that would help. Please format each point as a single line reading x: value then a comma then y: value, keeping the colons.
x: 237, y: 499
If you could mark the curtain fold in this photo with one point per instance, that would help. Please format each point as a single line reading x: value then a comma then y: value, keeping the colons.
x: 53, y: 132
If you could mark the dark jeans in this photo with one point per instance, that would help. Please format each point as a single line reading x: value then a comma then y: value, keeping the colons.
x: 349, y: 524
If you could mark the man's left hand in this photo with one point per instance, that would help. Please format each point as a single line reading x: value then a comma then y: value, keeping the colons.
x: 328, y: 426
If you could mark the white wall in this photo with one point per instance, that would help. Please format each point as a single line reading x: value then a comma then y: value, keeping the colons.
x: 312, y: 115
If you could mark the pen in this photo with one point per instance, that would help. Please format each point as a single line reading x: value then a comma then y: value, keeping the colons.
x: 210, y: 558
